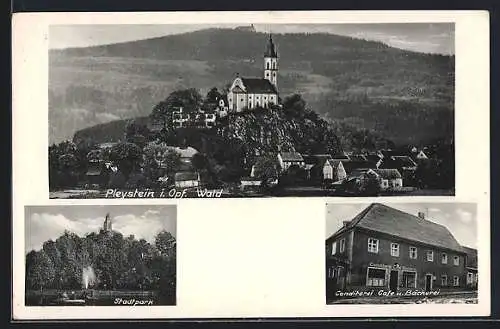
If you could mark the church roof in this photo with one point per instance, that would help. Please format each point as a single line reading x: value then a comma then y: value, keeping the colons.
x: 259, y: 86
x: 270, y: 48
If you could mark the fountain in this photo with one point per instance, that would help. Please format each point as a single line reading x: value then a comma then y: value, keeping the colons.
x: 88, y: 277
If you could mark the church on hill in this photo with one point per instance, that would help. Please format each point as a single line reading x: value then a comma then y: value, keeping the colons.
x: 257, y: 92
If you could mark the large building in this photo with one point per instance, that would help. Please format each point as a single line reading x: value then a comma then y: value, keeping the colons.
x: 385, y: 248
x: 250, y: 93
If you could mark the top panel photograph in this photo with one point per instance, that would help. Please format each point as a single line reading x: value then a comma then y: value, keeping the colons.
x: 251, y: 110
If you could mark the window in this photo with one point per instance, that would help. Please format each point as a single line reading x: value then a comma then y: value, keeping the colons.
x: 334, y: 248
x: 470, y: 277
x: 413, y: 252
x: 373, y: 245
x: 394, y: 249
x: 409, y: 279
x: 444, y: 280
x: 444, y: 258
x: 456, y: 260
x: 342, y: 245
x: 456, y: 281
x: 267, y: 65
x: 375, y: 277
x: 430, y: 256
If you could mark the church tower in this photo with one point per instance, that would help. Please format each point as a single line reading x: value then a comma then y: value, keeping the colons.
x: 271, y: 63
x: 108, y: 225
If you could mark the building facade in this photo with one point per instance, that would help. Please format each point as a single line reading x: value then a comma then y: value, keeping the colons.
x: 250, y: 93
x: 384, y: 248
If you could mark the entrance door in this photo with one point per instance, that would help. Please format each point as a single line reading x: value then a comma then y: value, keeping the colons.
x: 428, y: 282
x: 393, y: 282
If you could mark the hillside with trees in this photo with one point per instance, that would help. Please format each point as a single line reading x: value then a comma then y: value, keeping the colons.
x: 404, y: 96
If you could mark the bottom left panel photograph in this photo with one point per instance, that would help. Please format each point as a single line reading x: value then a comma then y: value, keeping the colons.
x: 115, y: 255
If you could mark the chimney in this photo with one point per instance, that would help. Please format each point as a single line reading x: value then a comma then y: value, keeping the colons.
x: 421, y: 214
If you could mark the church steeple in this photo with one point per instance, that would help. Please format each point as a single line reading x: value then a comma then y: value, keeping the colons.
x: 271, y: 62
x: 108, y: 225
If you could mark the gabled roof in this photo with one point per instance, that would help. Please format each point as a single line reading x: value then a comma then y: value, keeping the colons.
x: 384, y: 219
x: 185, y: 175
x: 340, y: 156
x: 316, y: 159
x: 186, y: 152
x: 388, y: 173
x: 397, y: 162
x: 334, y: 163
x: 291, y: 156
x: 351, y: 166
x: 259, y: 86
x: 357, y: 157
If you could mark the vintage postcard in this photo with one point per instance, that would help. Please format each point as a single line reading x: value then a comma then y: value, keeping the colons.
x: 230, y: 132
x: 401, y: 253
x: 100, y: 255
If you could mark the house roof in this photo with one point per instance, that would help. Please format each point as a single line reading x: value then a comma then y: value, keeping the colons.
x: 397, y: 162
x: 291, y: 156
x: 334, y: 163
x: 351, y: 166
x: 185, y: 175
x: 95, y: 169
x: 340, y: 156
x: 259, y: 86
x: 186, y: 152
x: 357, y: 157
x: 314, y: 159
x: 250, y: 179
x: 388, y: 173
x: 384, y: 219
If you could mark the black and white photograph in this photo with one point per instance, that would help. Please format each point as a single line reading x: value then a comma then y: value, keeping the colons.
x: 402, y: 253
x: 251, y: 110
x: 88, y: 255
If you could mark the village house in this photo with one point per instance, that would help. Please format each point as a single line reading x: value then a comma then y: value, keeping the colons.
x: 385, y: 248
x: 187, y: 179
x: 250, y: 183
x: 198, y: 119
x: 323, y: 167
x: 390, y: 179
x: 287, y: 159
x: 250, y: 93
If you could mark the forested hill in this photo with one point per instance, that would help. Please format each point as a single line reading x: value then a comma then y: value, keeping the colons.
x: 405, y: 96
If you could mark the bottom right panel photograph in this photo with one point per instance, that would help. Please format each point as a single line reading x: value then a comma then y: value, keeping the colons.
x: 401, y: 253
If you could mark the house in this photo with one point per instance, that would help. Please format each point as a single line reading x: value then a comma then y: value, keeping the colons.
x: 387, y: 249
x: 287, y: 159
x: 257, y: 92
x: 250, y: 182
x: 187, y: 179
x: 471, y: 267
x: 403, y: 163
x: 390, y: 179
x: 323, y: 167
x: 186, y: 156
x: 421, y: 155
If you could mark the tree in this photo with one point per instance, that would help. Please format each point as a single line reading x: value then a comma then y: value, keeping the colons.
x: 294, y: 106
x: 165, y: 242
x: 213, y: 96
x: 266, y: 168
x: 188, y: 99
x: 127, y: 156
x: 40, y: 270
x: 159, y: 159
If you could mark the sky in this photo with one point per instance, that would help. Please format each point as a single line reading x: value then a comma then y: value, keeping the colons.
x: 459, y: 218
x: 49, y: 222
x: 421, y: 37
